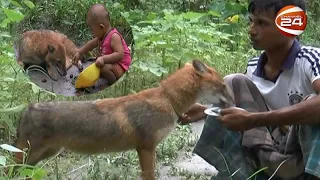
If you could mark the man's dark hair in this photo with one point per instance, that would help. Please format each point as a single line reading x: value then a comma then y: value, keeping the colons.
x: 265, y: 5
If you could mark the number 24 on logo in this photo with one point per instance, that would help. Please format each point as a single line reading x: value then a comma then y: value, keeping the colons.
x: 287, y: 22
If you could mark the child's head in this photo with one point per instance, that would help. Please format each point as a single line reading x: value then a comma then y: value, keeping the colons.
x: 98, y: 20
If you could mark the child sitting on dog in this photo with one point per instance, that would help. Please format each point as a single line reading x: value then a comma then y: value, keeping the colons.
x: 115, y: 57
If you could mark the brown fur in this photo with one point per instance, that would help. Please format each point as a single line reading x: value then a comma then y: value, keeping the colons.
x: 138, y: 121
x: 47, y: 48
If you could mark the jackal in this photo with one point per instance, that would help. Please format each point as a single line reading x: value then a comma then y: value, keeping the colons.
x: 137, y: 121
x: 50, y: 49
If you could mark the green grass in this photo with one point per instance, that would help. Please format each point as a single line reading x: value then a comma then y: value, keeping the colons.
x: 163, y: 40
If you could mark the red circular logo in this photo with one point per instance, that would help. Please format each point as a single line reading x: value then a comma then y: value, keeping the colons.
x: 291, y: 21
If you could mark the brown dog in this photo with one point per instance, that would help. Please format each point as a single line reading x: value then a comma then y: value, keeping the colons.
x: 49, y: 49
x: 138, y: 121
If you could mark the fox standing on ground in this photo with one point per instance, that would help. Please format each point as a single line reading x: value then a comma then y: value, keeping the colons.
x: 50, y: 49
x: 138, y: 121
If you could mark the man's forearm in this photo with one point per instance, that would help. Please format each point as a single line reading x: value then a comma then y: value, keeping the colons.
x: 201, y: 115
x: 304, y: 113
x: 196, y: 113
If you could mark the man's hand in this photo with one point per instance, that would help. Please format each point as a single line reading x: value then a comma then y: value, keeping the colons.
x: 100, y: 62
x: 196, y: 113
x: 184, y: 119
x: 235, y: 119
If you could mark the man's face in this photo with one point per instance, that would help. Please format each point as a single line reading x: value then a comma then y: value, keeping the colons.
x: 263, y: 31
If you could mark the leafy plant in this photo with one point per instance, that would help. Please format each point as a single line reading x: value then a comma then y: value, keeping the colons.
x: 7, y: 164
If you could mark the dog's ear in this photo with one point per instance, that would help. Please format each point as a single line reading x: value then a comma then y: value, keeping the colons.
x: 199, y: 67
x: 51, y: 48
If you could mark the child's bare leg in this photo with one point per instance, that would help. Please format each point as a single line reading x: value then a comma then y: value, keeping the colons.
x: 112, y: 72
x: 107, y: 73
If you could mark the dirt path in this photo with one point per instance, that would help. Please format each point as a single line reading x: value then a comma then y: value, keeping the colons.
x: 192, y: 163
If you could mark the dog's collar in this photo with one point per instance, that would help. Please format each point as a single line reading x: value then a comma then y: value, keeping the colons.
x: 175, y: 110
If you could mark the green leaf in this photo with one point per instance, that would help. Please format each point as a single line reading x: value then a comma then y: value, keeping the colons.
x: 13, y: 109
x: 16, y: 3
x: 10, y: 148
x: 205, y: 37
x: 189, y: 55
x: 13, y: 15
x: 155, y: 71
x: 193, y: 15
x: 116, y: 5
x: 5, y: 23
x: 143, y: 67
x: 67, y: 22
x: 151, y: 16
x: 51, y: 93
x: 5, y: 34
x: 207, y: 57
x: 155, y: 38
x: 5, y: 3
x: 163, y: 70
x: 7, y: 79
x: 40, y: 174
x: 214, y: 13
x: 26, y: 173
x: 217, y: 6
x: 34, y: 87
x: 3, y: 160
x: 6, y: 95
x: 176, y: 54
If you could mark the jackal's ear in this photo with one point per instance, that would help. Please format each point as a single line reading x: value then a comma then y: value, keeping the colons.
x: 199, y: 67
x: 51, y: 48
x: 187, y: 64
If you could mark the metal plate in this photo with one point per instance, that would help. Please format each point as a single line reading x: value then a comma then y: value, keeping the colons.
x: 65, y: 85
x: 214, y: 111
